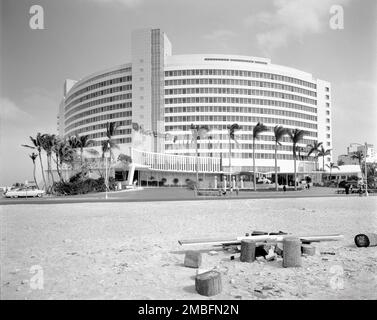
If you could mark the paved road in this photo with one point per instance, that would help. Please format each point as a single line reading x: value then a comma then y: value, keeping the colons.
x: 171, y: 194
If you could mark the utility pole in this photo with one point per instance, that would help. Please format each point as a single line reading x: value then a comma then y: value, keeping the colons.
x: 230, y: 160
x: 366, y: 170
x: 197, y: 160
x: 106, y: 186
x: 106, y: 173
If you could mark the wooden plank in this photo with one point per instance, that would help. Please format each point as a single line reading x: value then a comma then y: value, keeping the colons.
x: 261, y: 238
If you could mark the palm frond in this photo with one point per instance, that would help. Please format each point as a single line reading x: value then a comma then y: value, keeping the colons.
x: 332, y: 165
x: 279, y: 133
x: 314, y: 148
x: 232, y: 129
x: 111, y: 127
x: 324, y: 152
x: 296, y: 135
x: 258, y: 129
x: 27, y: 146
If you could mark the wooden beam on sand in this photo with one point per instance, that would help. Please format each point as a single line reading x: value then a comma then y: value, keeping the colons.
x: 259, y: 238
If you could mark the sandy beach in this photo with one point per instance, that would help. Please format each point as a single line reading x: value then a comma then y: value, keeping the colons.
x: 131, y: 250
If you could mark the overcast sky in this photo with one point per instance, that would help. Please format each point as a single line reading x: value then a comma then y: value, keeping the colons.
x: 84, y: 36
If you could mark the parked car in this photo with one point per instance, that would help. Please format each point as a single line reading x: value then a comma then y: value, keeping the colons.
x: 24, y: 192
x: 354, y: 183
x: 264, y: 180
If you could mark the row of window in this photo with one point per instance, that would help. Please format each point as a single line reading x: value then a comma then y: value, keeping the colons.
x: 239, y: 73
x: 107, y: 74
x: 184, y: 139
x: 100, y: 118
x: 111, y: 107
x: 99, y: 127
x: 240, y: 82
x: 283, y: 104
x: 283, y: 96
x: 235, y: 60
x: 208, y: 90
x: 233, y: 99
x: 240, y: 92
x: 230, y: 109
x: 179, y: 82
x: 239, y: 146
x: 118, y: 132
x: 116, y: 141
x: 224, y: 127
x: 249, y: 155
x: 229, y: 118
x: 97, y: 94
x: 285, y: 87
x: 99, y: 85
x: 100, y: 101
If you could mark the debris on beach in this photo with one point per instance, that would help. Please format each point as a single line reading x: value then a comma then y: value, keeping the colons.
x: 329, y: 253
x: 366, y: 240
x: 264, y: 249
x: 308, y: 249
x: 208, y: 283
x: 201, y: 270
x: 193, y: 259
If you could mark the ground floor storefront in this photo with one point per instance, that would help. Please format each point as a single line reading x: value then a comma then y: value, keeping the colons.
x: 146, y: 177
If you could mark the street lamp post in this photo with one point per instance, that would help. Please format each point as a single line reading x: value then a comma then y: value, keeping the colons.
x: 365, y: 169
x: 230, y: 162
x: 106, y: 173
x: 106, y: 183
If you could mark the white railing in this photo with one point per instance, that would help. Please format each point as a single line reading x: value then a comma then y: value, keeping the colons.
x: 171, y: 162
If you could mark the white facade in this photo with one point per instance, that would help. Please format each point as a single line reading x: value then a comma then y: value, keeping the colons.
x: 219, y: 90
x: 164, y: 94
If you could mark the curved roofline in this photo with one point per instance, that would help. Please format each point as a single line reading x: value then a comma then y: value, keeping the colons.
x: 231, y: 57
x: 187, y: 59
x: 97, y: 73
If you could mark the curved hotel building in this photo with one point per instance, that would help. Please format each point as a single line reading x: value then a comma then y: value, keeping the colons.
x: 157, y: 96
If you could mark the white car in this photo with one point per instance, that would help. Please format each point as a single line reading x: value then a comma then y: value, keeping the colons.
x: 264, y: 181
x: 24, y: 192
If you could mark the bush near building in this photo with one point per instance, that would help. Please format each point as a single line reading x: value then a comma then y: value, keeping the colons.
x: 79, y: 184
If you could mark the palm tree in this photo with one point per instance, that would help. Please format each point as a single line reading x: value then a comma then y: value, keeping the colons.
x: 231, y: 132
x: 73, y: 142
x: 48, y: 142
x: 279, y: 133
x: 198, y: 132
x: 111, y: 127
x: 210, y: 145
x: 83, y: 142
x: 108, y: 145
x: 331, y: 166
x: 323, y: 153
x: 315, y: 149
x: 296, y: 136
x: 257, y: 130
x: 63, y: 154
x: 33, y: 157
x: 36, y: 144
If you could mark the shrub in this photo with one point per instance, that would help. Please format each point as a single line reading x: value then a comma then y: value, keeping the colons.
x: 175, y: 181
x: 79, y: 185
x: 191, y: 184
